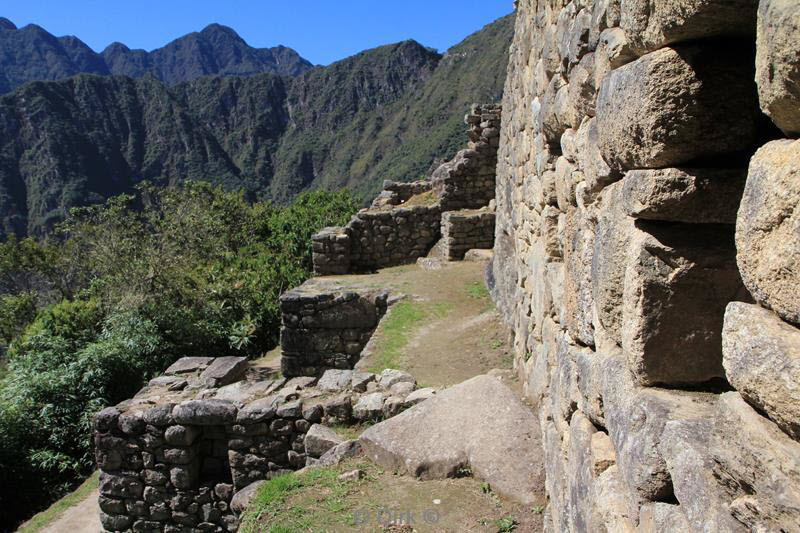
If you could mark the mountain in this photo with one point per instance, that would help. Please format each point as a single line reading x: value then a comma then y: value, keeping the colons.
x: 386, y: 113
x: 33, y: 54
x: 215, y: 51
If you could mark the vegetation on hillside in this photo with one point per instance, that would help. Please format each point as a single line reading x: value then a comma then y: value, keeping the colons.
x: 387, y: 113
x: 127, y: 288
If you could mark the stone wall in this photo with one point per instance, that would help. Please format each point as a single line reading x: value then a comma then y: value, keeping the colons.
x: 404, y: 221
x: 465, y: 230
x: 646, y: 260
x: 468, y: 180
x: 326, y: 326
x: 178, y: 455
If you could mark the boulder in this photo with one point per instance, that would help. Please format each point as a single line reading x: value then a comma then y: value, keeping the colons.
x: 341, y: 452
x: 369, y: 406
x: 678, y: 280
x: 767, y: 239
x: 335, y: 380
x: 675, y: 105
x: 652, y: 25
x: 778, y: 63
x: 478, y: 423
x: 762, y: 361
x: 319, y: 439
x: 241, y: 500
x: 389, y: 377
x: 697, y: 196
x: 360, y: 380
x: 419, y: 395
x: 224, y: 371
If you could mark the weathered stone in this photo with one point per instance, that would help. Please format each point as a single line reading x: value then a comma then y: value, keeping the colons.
x: 293, y: 409
x: 369, y: 406
x: 340, y: 452
x: 106, y: 419
x: 612, y: 510
x: 339, y: 408
x: 120, y: 486
x: 419, y: 395
x: 479, y: 423
x: 241, y: 500
x: 675, y: 105
x: 635, y: 418
x: 359, y: 380
x: 224, y: 370
x: 181, y: 435
x: 653, y: 25
x: 658, y: 517
x: 335, y: 380
x: 258, y: 411
x: 131, y: 423
x: 187, y: 365
x: 320, y: 439
x: 678, y: 281
x: 389, y: 377
x: 767, y: 240
x: 578, y: 303
x: 579, y: 473
x: 762, y: 360
x: 684, y: 195
x: 778, y: 63
x: 603, y: 455
x: 204, y: 412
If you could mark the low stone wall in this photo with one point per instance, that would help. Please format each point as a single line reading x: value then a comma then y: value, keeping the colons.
x: 465, y: 230
x: 396, y: 193
x: 647, y: 274
x: 175, y: 456
x: 326, y: 326
x: 468, y: 180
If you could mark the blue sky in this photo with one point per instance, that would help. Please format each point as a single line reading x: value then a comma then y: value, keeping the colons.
x: 320, y: 30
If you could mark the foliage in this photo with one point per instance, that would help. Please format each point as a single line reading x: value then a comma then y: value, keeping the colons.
x: 192, y: 270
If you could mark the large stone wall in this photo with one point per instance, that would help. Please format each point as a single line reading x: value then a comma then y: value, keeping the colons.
x: 646, y: 254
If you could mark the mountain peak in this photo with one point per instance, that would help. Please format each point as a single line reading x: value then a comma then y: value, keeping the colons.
x: 6, y: 24
x: 218, y: 30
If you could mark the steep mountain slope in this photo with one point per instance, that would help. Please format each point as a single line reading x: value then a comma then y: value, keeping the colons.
x: 33, y: 54
x: 386, y: 113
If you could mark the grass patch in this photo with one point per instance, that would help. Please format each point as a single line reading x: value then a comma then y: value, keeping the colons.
x: 477, y: 290
x: 403, y: 318
x: 304, y: 502
x: 351, y: 432
x: 423, y: 198
x: 46, y: 517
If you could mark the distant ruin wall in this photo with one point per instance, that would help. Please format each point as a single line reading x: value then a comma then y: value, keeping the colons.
x: 404, y: 221
x: 646, y: 258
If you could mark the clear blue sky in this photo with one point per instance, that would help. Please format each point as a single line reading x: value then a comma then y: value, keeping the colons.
x: 322, y: 31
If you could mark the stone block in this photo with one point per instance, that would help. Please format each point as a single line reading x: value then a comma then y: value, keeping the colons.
x: 187, y: 365
x: 652, y: 25
x: 698, y: 196
x: 320, y: 439
x: 678, y: 280
x: 224, y: 371
x: 778, y: 63
x: 767, y: 239
x: 204, y: 412
x: 676, y: 105
x: 762, y: 361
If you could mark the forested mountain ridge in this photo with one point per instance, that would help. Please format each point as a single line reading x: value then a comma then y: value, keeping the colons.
x: 385, y: 113
x: 33, y: 54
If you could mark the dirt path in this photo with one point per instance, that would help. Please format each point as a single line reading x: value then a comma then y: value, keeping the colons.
x: 81, y: 518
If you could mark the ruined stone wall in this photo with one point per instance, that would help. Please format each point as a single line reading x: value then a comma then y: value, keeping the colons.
x: 646, y: 258
x: 404, y: 221
x: 467, y: 181
x: 465, y: 230
x: 326, y: 327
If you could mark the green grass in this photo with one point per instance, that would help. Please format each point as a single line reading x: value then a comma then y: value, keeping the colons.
x: 294, y: 502
x: 477, y: 290
x: 403, y: 319
x: 46, y: 517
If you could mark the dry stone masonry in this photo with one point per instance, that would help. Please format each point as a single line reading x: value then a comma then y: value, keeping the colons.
x: 406, y: 220
x: 646, y: 258
x: 190, y: 449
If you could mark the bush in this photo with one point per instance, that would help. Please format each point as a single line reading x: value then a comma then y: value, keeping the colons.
x: 165, y: 273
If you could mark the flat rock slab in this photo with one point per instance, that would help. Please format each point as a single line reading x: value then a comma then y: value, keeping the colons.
x: 480, y: 424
